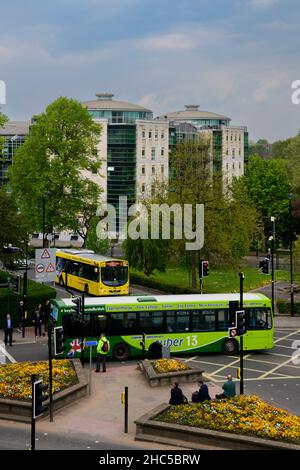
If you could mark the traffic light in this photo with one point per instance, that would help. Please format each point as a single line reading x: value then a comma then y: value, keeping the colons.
x: 15, y: 283
x: 203, y: 268
x: 78, y: 302
x: 264, y: 266
x: 58, y: 340
x: 38, y: 398
x: 240, y: 322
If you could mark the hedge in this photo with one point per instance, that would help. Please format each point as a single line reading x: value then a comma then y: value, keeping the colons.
x: 159, y: 285
x: 36, y: 294
x: 284, y: 307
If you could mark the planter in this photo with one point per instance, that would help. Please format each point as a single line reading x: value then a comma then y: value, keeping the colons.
x: 156, y: 379
x: 18, y: 410
x: 147, y: 429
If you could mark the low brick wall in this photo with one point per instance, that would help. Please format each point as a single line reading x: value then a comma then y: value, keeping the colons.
x: 18, y: 410
x: 147, y: 429
x: 156, y: 380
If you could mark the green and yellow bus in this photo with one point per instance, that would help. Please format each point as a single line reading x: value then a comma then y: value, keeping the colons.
x: 186, y: 323
x: 92, y: 274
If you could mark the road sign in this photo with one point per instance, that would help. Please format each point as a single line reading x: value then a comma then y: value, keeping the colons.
x: 91, y: 343
x: 45, y: 262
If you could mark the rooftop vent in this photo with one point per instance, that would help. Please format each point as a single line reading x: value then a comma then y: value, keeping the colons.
x: 104, y: 96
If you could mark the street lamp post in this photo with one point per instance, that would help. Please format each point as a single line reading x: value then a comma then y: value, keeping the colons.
x: 45, y: 195
x: 290, y: 197
x: 272, y: 240
x: 25, y: 291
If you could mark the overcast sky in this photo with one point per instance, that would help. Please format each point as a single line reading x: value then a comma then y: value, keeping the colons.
x: 233, y: 57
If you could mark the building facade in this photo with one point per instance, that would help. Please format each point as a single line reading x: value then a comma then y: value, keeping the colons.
x: 134, y: 150
x: 14, y: 134
x: 228, y: 144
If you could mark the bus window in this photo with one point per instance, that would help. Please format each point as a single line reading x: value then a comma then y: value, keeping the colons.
x: 258, y: 319
x: 123, y: 323
x: 178, y: 322
x: 223, y: 320
x: 151, y: 322
x: 114, y: 275
x: 90, y: 272
x: 72, y: 327
x: 98, y: 324
x: 73, y: 268
x: 204, y: 320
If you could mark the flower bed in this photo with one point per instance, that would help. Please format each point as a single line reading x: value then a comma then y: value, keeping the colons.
x: 163, y: 366
x: 15, y: 379
x: 247, y: 415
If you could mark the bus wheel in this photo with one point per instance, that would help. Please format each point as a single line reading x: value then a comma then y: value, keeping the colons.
x: 86, y: 289
x: 121, y: 352
x: 230, y: 346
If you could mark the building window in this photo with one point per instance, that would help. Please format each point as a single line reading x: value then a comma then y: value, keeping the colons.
x: 162, y: 151
x: 143, y: 151
x: 231, y: 137
x: 233, y: 153
x: 162, y: 135
x: 227, y: 152
x: 227, y: 137
x: 153, y: 153
x: 162, y: 169
x: 150, y: 135
x: 239, y: 138
x: 143, y: 170
x: 153, y: 170
x: 239, y: 166
x: 156, y: 135
x: 143, y: 188
x: 226, y: 166
x: 233, y: 166
x: 143, y: 134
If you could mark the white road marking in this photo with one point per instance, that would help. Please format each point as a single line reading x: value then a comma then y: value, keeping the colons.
x: 283, y: 346
x: 191, y: 359
x: 6, y: 353
x: 276, y: 368
x: 287, y: 336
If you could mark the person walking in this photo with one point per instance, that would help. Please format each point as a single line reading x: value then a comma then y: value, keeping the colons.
x: 46, y: 313
x: 8, y: 329
x: 177, y: 397
x: 102, y: 351
x: 37, y: 320
x: 228, y: 389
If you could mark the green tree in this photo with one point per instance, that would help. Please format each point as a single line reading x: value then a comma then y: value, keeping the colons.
x: 262, y: 147
x: 3, y: 121
x: 14, y: 229
x: 267, y: 184
x: 95, y: 242
x: 58, y: 156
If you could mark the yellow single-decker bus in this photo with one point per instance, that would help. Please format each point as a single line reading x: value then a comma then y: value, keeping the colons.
x: 91, y: 273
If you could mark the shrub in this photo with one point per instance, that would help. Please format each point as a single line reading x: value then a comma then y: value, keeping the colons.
x: 36, y: 294
x: 247, y: 415
x: 15, y: 379
x: 284, y: 307
x: 163, y: 366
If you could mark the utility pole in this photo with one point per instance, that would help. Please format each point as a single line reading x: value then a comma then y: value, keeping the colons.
x: 50, y: 370
x: 290, y: 196
x: 242, y: 277
x: 272, y: 239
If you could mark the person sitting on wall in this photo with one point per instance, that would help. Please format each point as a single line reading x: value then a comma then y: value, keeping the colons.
x: 177, y: 397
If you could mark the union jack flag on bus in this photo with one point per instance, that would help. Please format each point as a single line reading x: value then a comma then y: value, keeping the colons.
x: 75, y: 347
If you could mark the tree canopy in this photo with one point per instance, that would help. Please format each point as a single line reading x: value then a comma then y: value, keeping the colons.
x: 56, y: 161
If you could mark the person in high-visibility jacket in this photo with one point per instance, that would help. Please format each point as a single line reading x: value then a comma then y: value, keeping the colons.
x: 102, y: 351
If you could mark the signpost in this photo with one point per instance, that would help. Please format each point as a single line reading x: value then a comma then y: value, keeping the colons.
x: 45, y: 265
x: 90, y: 344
